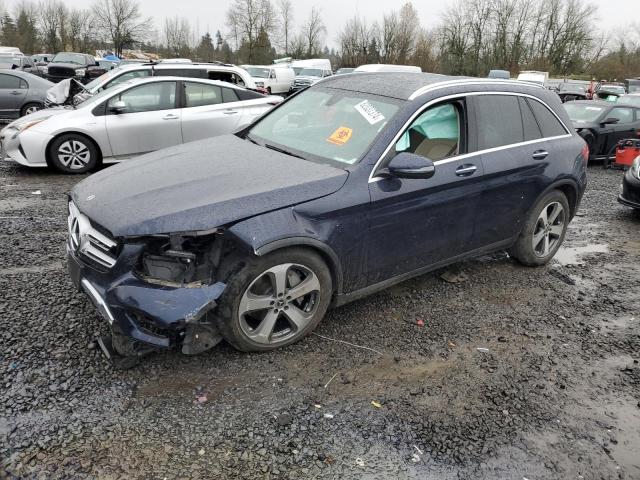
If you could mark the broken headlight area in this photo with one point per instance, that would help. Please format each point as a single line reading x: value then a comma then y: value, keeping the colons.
x: 181, y: 260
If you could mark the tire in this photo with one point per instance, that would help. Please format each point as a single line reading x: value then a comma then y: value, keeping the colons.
x: 30, y: 108
x: 73, y: 153
x: 269, y: 90
x: 539, y: 240
x: 284, y: 320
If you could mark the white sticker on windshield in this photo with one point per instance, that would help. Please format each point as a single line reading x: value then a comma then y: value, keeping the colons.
x: 369, y: 112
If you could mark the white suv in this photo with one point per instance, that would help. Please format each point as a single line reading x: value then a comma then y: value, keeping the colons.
x: 212, y: 71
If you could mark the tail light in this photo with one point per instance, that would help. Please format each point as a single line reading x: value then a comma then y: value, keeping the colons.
x: 585, y: 152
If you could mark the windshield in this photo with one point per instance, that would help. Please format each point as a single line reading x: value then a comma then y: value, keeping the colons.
x: 97, y: 97
x: 630, y: 100
x: 94, y: 84
x: 310, y: 72
x: 572, y: 87
x: 612, y: 88
x: 324, y: 124
x: 4, y: 58
x: 258, y: 72
x: 69, y: 58
x: 580, y: 112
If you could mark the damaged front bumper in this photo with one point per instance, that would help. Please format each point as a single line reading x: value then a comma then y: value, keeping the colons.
x: 143, y: 315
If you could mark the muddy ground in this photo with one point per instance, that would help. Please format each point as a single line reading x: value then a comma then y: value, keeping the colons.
x: 555, y: 394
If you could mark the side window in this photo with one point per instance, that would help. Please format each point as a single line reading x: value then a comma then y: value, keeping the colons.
x: 624, y: 115
x: 529, y: 124
x: 200, y: 94
x: 24, y: 84
x: 9, y: 81
x: 181, y: 72
x: 229, y: 95
x: 435, y: 134
x: 499, y: 121
x: 549, y: 124
x: 147, y: 98
x: 128, y: 76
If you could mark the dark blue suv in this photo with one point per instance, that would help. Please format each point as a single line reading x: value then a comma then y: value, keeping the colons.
x: 348, y: 187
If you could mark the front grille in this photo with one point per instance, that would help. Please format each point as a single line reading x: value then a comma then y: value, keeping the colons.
x: 61, y: 71
x: 302, y: 83
x: 87, y: 242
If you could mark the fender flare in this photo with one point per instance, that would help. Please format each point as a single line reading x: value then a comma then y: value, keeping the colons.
x: 325, y: 251
x: 558, y: 185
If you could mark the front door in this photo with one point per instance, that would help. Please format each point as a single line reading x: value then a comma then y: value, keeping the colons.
x: 415, y: 223
x: 149, y: 122
x: 627, y: 126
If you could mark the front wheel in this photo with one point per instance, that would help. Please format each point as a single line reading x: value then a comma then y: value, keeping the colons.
x: 73, y: 153
x: 29, y: 108
x: 544, y: 230
x: 275, y: 300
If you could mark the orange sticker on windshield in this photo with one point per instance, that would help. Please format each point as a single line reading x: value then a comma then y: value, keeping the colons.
x: 341, y: 136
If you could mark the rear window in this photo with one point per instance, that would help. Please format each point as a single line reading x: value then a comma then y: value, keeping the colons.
x: 549, y: 124
x: 499, y: 121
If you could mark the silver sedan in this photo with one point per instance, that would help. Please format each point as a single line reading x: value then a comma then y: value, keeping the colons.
x: 134, y: 118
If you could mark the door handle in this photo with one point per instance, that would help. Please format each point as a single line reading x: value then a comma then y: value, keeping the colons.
x: 230, y: 112
x: 466, y: 170
x: 15, y: 92
x: 540, y: 154
x: 170, y: 116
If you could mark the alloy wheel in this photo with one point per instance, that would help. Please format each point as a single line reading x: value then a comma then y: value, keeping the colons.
x: 31, y: 109
x: 74, y: 154
x: 279, y: 303
x: 549, y: 229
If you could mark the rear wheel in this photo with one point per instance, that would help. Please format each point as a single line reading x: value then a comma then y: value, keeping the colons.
x: 31, y: 108
x: 73, y: 153
x: 275, y: 300
x: 544, y: 230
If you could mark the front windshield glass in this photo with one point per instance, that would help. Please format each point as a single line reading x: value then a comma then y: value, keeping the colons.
x: 326, y: 125
x: 582, y: 112
x: 572, y: 87
x: 630, y: 100
x: 94, y: 84
x: 310, y: 72
x: 97, y: 98
x: 69, y: 58
x: 258, y: 72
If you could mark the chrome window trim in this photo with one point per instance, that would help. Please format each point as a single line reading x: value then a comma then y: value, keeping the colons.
x: 420, y: 111
x: 470, y: 81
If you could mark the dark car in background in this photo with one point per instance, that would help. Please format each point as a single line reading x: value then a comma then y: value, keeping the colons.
x: 568, y: 91
x: 357, y: 183
x: 21, y: 93
x: 603, y: 124
x: 79, y: 66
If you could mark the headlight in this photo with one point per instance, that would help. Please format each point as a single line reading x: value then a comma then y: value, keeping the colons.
x: 45, y: 69
x: 635, y: 168
x: 80, y: 72
x: 259, y: 84
x: 21, y: 127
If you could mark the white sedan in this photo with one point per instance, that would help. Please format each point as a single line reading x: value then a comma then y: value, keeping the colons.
x: 136, y: 117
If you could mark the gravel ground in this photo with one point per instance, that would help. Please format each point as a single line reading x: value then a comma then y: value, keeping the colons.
x: 556, y: 393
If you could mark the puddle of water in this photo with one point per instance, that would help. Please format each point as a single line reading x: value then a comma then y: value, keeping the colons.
x: 573, y: 255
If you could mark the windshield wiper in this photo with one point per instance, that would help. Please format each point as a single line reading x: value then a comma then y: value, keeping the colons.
x: 282, y: 150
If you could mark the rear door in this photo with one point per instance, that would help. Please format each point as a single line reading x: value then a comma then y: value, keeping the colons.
x: 150, y: 122
x: 13, y: 91
x: 626, y: 127
x: 516, y: 138
x: 209, y: 110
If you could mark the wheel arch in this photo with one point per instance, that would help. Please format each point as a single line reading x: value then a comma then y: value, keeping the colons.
x: 321, y: 248
x: 567, y: 186
x: 47, y: 150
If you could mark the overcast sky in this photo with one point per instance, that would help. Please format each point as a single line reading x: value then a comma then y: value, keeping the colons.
x: 209, y: 15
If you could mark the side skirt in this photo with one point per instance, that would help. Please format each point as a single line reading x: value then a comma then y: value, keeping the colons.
x: 344, y: 298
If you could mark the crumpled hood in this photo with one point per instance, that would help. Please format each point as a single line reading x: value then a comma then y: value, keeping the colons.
x: 199, y: 186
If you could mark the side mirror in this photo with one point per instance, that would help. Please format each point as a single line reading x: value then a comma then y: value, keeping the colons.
x: 409, y: 165
x: 118, y: 106
x: 611, y: 121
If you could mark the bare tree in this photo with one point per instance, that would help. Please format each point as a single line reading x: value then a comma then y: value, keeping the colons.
x: 313, y: 31
x: 247, y: 19
x: 177, y: 34
x: 285, y: 22
x: 79, y: 30
x: 52, y: 13
x: 121, y: 22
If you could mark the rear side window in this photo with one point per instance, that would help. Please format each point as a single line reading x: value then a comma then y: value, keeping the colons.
x: 549, y: 124
x: 200, y: 94
x: 128, y: 76
x: 248, y: 95
x: 9, y: 81
x: 229, y: 95
x: 529, y: 124
x: 499, y: 121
